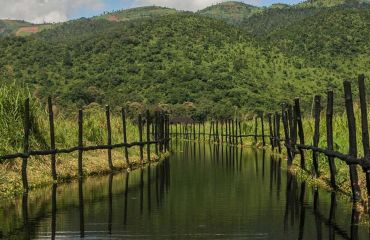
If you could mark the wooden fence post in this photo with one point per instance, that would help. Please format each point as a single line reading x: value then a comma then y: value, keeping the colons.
x: 292, y: 129
x: 52, y: 139
x: 278, y: 131
x: 109, y: 137
x: 269, y: 117
x: 217, y: 136
x: 356, y: 192
x: 230, y: 133
x: 316, y: 137
x: 236, y: 132
x: 140, y: 123
x: 204, y: 131
x: 156, y: 122
x: 255, y: 129
x: 168, y: 131
x: 365, y: 132
x: 263, y: 130
x: 148, y: 135
x: 298, y: 118
x: 240, y: 133
x: 27, y: 127
x: 194, y: 131
x: 286, y: 132
x: 222, y: 131
x: 274, y: 130
x: 329, y: 136
x: 80, y: 142
x: 124, y: 128
x: 199, y: 127
x: 226, y: 131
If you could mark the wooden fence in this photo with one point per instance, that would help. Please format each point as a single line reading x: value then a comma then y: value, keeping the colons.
x: 290, y: 117
x: 157, y: 127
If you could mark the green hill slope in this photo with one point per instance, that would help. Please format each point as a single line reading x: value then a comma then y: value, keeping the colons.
x: 174, y: 59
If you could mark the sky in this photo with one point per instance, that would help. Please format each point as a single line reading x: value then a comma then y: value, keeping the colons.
x: 39, y: 11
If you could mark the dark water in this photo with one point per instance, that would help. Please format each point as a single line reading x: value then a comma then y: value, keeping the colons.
x: 201, y: 192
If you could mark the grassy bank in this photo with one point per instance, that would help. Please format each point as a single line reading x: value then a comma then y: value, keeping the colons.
x: 66, y: 135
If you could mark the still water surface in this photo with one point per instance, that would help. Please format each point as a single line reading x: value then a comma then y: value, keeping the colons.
x: 200, y: 192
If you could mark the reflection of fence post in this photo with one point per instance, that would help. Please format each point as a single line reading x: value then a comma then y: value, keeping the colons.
x: 109, y: 137
x: 316, y: 136
x: 329, y: 136
x: 52, y: 139
x: 80, y: 142
x: 365, y: 132
x: 356, y: 193
x: 27, y: 126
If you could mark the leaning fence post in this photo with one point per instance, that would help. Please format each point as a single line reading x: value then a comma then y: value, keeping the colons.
x: 316, y: 135
x: 80, y: 142
x: 109, y: 137
x: 298, y: 117
x: 124, y: 127
x: 27, y: 126
x: 356, y: 192
x: 52, y: 139
x: 286, y: 133
x: 365, y: 132
x: 329, y: 136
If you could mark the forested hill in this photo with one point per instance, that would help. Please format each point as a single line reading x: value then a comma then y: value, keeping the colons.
x: 193, y: 62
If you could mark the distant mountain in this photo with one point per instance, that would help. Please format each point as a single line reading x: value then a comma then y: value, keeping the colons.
x: 137, y: 13
x: 232, y: 12
x: 20, y: 28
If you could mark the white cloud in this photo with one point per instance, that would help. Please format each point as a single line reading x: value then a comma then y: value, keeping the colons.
x: 191, y: 5
x: 38, y: 11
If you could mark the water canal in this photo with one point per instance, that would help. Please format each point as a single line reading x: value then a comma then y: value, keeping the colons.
x: 201, y: 192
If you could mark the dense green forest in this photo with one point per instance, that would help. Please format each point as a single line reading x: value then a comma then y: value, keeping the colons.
x: 228, y: 57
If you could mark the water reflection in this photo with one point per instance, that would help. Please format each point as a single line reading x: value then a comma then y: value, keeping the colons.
x: 205, y: 191
x: 334, y: 230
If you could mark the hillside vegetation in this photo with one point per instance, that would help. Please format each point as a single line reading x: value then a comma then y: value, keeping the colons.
x: 227, y: 57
